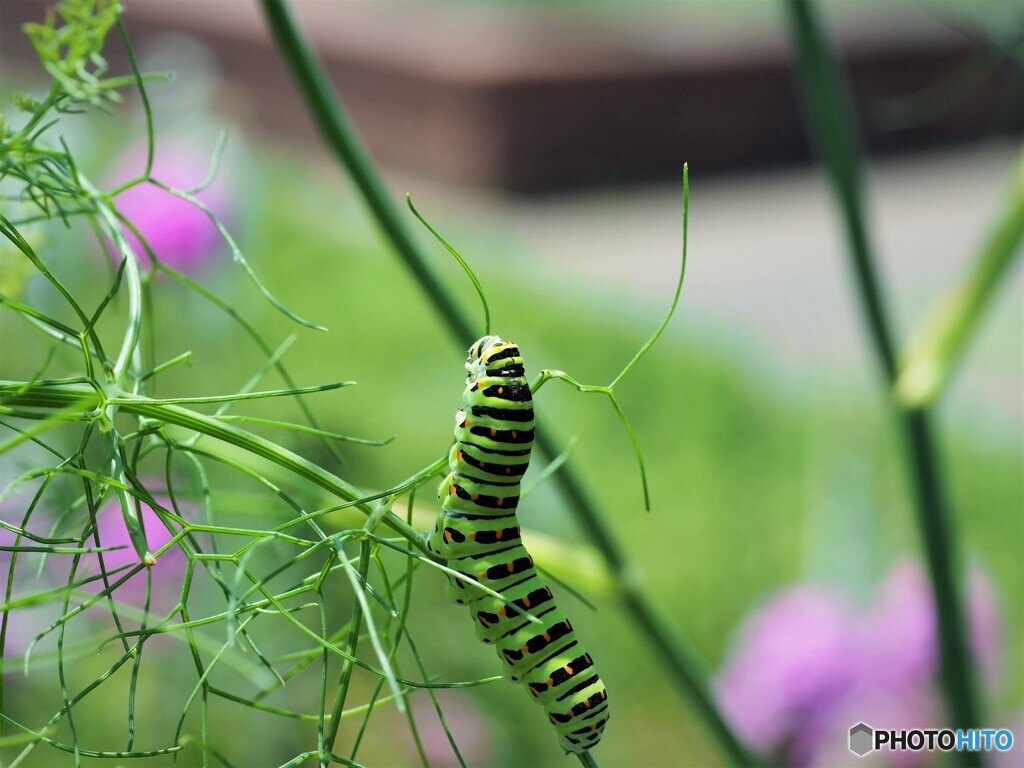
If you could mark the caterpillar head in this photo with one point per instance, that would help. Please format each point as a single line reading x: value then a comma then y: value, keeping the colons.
x: 479, y: 347
x: 478, y: 352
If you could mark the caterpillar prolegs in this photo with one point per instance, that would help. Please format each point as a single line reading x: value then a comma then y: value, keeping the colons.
x: 478, y: 535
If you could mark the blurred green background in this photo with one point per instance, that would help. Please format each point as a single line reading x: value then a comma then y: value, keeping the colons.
x: 770, y: 452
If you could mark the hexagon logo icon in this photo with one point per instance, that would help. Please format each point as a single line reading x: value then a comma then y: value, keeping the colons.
x: 861, y: 739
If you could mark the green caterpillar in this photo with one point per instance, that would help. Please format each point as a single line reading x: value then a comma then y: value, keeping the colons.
x: 478, y: 535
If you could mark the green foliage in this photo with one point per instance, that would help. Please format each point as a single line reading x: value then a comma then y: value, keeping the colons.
x: 26, y: 103
x: 71, y: 53
x: 98, y: 416
x: 107, y: 434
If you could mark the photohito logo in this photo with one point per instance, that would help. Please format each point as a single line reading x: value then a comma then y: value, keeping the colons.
x: 865, y: 739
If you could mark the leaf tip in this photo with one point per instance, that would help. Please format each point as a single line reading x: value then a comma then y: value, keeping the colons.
x: 918, y: 383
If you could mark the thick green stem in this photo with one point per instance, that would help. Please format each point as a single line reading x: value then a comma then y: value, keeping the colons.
x: 41, y: 397
x: 832, y: 124
x: 340, y: 136
x: 680, y: 662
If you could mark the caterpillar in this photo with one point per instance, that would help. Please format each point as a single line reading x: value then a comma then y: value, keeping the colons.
x: 478, y: 534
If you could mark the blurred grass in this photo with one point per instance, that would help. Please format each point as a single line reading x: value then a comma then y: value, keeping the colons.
x: 742, y: 476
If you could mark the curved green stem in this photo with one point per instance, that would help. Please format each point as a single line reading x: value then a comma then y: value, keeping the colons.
x: 462, y: 263
x: 547, y: 375
x: 338, y: 133
x: 134, y: 280
x: 679, y: 288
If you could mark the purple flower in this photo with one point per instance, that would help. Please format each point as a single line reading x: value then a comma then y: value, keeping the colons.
x: 794, y: 652
x: 824, y: 739
x: 902, y: 644
x: 808, y: 664
x: 180, y: 234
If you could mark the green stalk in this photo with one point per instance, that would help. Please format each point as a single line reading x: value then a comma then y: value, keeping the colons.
x: 831, y: 121
x: 340, y: 136
x: 127, y: 358
x: 43, y: 396
x: 931, y: 355
x: 356, y: 622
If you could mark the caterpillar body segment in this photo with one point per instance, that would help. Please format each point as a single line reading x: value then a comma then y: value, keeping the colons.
x: 478, y: 534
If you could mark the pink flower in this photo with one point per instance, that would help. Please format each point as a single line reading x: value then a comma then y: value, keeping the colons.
x: 986, y: 622
x: 468, y: 729
x: 808, y: 664
x: 180, y: 234
x: 166, y: 574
